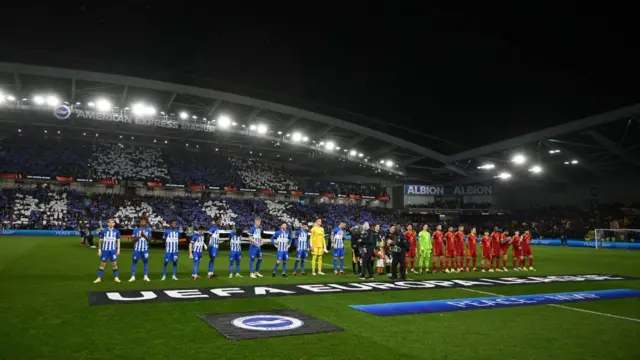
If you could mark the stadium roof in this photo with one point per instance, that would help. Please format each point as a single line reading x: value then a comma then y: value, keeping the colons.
x: 603, y: 144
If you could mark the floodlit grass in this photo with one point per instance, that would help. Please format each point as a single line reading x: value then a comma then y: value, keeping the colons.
x: 45, y: 313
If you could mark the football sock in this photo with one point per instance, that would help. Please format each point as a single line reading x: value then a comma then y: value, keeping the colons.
x: 320, y: 263
x: 100, y: 272
x: 133, y: 268
x: 237, y: 266
x: 211, y: 262
x: 302, y: 266
x: 115, y: 272
x: 175, y: 268
x: 341, y: 264
x: 231, y: 267
x: 314, y: 259
x: 146, y: 267
x: 295, y: 265
x: 251, y: 261
x: 275, y: 267
x: 164, y: 269
x: 258, y: 263
x: 284, y: 267
x: 335, y: 264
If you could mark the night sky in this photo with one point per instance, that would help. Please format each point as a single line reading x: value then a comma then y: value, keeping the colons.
x: 476, y: 72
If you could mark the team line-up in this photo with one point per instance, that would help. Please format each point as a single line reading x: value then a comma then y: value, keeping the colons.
x: 447, y: 247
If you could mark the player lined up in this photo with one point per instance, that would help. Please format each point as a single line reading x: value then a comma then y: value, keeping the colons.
x: 449, y: 250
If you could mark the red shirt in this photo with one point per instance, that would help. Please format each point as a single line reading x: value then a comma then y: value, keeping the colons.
x: 450, y: 240
x: 471, y: 239
x: 459, y: 237
x: 495, y: 239
x: 437, y: 238
x: 504, y: 241
x: 411, y: 237
x: 515, y: 242
x: 486, y: 242
x: 526, y: 241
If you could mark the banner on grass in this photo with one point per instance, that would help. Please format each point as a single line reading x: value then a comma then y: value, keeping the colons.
x: 588, y: 244
x: 40, y: 232
x: 214, y: 293
x: 439, y: 306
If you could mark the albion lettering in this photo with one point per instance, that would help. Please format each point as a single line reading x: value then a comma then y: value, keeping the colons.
x: 441, y: 190
x: 214, y: 293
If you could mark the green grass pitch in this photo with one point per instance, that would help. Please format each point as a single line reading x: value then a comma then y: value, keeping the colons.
x: 45, y: 314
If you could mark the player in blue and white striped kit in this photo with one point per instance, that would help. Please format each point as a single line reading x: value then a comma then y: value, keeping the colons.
x: 337, y: 247
x: 303, y: 246
x: 214, y: 241
x: 281, y: 239
x: 109, y: 250
x: 141, y: 237
x: 255, y: 249
x: 196, y: 247
x: 235, y: 251
x: 171, y: 239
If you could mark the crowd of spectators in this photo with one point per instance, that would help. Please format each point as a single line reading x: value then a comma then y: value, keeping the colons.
x: 201, y: 168
x: 50, y: 157
x: 127, y: 162
x: 259, y: 175
x: 43, y: 208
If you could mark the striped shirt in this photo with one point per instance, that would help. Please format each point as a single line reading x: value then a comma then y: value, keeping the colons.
x: 171, y: 238
x: 281, y: 239
x: 338, y: 235
x: 215, y: 237
x: 302, y: 240
x: 256, y: 234
x: 197, y: 243
x: 110, y: 239
x: 234, y: 242
x: 142, y: 244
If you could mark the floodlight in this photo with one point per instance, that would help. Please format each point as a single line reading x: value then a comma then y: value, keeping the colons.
x: 138, y: 109
x: 11, y: 98
x: 536, y: 169
x: 184, y: 115
x: 52, y: 100
x: 39, y: 100
x: 353, y: 153
x: 504, y: 175
x: 381, y: 161
x: 296, y: 136
x: 103, y: 105
x: 574, y: 162
x: 519, y: 159
x: 487, y: 166
x: 389, y: 163
x: 330, y: 145
x: 252, y: 127
x: 360, y: 155
x: 262, y: 129
x: 224, y: 121
x: 305, y: 138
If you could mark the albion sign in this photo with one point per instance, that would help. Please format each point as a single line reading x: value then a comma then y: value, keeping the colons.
x: 215, y: 293
x: 441, y: 190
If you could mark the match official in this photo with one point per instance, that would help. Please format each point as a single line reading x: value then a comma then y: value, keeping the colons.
x: 368, y: 244
x: 399, y: 247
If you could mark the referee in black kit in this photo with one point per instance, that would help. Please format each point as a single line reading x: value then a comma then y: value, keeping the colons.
x: 399, y: 247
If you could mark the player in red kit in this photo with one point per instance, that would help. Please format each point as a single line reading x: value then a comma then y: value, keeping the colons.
x: 472, y: 252
x: 486, y: 252
x: 410, y: 235
x: 458, y: 238
x: 438, y: 248
x: 495, y: 247
x: 526, y: 251
x: 505, y: 241
x: 516, y: 244
x: 451, y: 250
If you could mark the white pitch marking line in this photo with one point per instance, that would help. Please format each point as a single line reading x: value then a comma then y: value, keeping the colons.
x: 562, y: 306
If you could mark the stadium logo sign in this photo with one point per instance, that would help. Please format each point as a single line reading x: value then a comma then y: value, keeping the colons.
x: 152, y: 121
x: 62, y: 112
x: 214, y: 293
x: 440, y: 190
x: 267, y: 323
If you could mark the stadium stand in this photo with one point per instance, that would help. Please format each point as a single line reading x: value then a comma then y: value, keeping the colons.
x: 200, y: 168
x: 48, y: 157
x: 127, y: 162
x: 258, y: 175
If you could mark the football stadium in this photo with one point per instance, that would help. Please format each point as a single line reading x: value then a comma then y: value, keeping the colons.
x: 154, y: 220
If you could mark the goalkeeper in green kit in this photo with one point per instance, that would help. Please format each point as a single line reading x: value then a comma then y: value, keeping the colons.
x: 424, y: 249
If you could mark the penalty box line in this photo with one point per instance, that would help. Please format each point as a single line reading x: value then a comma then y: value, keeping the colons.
x: 562, y: 306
